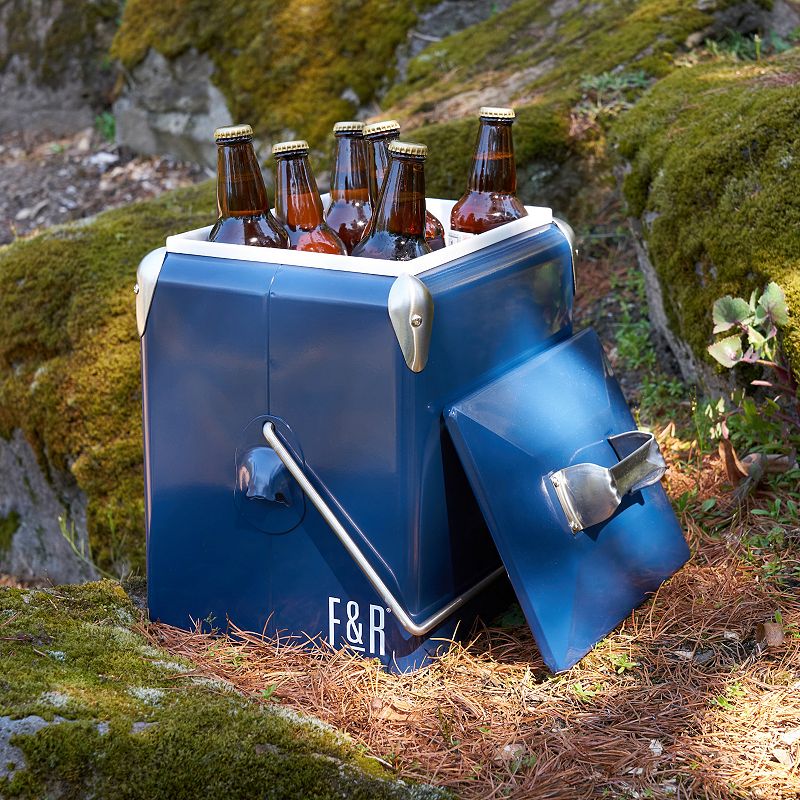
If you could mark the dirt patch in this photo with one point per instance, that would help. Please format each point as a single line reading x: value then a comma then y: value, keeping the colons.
x: 46, y: 181
x: 780, y: 79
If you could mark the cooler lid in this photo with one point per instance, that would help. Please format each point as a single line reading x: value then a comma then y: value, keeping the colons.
x: 570, y: 492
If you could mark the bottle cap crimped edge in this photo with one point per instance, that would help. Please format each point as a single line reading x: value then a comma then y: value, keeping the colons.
x: 496, y: 112
x: 232, y: 133
x: 384, y: 126
x: 409, y: 149
x: 293, y: 146
x: 349, y: 126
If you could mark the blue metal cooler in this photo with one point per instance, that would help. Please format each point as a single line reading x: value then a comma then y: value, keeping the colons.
x: 359, y: 451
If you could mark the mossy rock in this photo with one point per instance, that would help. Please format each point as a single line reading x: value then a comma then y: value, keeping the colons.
x: 9, y: 525
x: 89, y: 709
x: 714, y: 158
x: 285, y: 67
x: 274, y: 80
x: 52, y: 36
x: 69, y: 357
x: 569, y: 40
x: 537, y: 53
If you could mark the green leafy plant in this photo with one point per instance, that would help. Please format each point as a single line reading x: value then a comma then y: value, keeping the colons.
x: 610, y: 93
x: 739, y: 47
x: 757, y: 322
x: 106, y: 125
x: 267, y: 693
x: 522, y: 761
x: 622, y: 663
x: 728, y: 700
x: 585, y: 693
x: 752, y: 337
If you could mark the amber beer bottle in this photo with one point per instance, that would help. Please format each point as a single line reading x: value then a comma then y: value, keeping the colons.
x: 379, y: 134
x: 244, y: 215
x: 491, y: 196
x: 353, y: 191
x: 297, y: 203
x: 398, y: 228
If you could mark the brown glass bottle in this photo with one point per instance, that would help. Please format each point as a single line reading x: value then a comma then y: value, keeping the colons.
x: 244, y: 215
x: 398, y: 228
x: 353, y: 191
x: 491, y: 196
x: 297, y: 203
x: 379, y: 134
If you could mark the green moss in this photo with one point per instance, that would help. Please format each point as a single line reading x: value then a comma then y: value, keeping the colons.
x: 590, y: 38
x: 76, y: 35
x: 70, y: 652
x: 69, y: 356
x: 715, y: 156
x: 283, y: 66
x: 9, y: 525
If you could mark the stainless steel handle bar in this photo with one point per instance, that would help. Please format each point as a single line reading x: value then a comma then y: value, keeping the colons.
x: 590, y: 494
x: 414, y: 628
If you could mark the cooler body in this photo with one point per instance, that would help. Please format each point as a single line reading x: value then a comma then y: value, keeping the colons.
x: 231, y: 343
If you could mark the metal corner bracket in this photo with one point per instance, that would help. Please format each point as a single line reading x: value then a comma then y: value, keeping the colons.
x: 146, y: 279
x: 569, y: 235
x: 410, y: 308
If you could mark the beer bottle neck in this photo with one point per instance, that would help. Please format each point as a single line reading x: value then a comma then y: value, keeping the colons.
x: 297, y: 201
x: 353, y: 179
x: 240, y: 185
x: 493, y: 167
x: 402, y: 204
x: 380, y: 152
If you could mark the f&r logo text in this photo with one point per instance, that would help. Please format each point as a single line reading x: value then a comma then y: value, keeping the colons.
x: 365, y: 636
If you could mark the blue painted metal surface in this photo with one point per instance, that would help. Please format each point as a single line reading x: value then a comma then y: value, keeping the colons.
x: 552, y: 411
x: 229, y: 344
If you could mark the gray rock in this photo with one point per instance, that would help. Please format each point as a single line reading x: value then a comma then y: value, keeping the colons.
x: 747, y: 18
x: 138, y: 727
x: 10, y: 755
x: 37, y: 548
x: 54, y: 75
x: 171, y: 107
x: 443, y: 19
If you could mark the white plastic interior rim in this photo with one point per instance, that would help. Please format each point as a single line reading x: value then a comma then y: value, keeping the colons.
x: 195, y: 243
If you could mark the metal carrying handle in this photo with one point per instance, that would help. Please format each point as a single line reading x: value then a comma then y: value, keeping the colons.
x: 414, y: 628
x: 590, y: 494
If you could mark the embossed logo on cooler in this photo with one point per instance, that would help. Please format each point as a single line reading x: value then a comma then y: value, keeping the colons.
x: 454, y: 237
x: 365, y: 636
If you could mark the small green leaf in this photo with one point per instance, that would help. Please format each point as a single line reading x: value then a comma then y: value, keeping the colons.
x: 730, y: 311
x: 756, y: 339
x: 727, y: 351
x: 709, y: 504
x: 723, y: 702
x: 773, y: 301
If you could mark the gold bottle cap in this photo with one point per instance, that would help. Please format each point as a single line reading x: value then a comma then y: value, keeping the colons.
x: 350, y: 126
x: 384, y: 126
x: 295, y: 146
x: 409, y: 149
x: 490, y: 112
x: 232, y: 133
